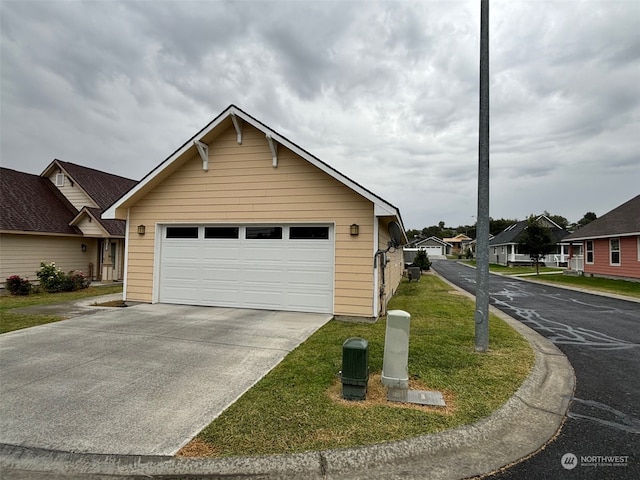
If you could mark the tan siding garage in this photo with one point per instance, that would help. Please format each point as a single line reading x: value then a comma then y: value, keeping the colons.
x: 247, y: 176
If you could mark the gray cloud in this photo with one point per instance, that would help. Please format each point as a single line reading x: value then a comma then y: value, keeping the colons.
x: 386, y: 92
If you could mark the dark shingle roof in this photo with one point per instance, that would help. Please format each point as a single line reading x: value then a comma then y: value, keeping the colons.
x: 509, y: 234
x: 33, y: 204
x: 104, y: 188
x: 622, y: 220
x: 512, y: 233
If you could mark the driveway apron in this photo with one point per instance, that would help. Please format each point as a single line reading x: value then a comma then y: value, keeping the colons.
x: 141, y: 380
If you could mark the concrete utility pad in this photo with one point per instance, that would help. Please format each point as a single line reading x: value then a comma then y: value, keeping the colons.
x: 138, y: 380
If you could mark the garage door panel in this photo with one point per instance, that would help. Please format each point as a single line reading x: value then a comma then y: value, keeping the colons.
x: 318, y: 279
x: 276, y: 274
x: 223, y: 274
x: 180, y: 294
x: 259, y: 298
x: 221, y: 253
x: 218, y: 295
x: 180, y: 273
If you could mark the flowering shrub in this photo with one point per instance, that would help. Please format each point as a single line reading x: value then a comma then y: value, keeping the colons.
x: 16, y: 285
x: 53, y: 279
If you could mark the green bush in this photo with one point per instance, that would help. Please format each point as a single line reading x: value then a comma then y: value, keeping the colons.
x: 16, y: 285
x: 53, y: 279
x: 422, y: 260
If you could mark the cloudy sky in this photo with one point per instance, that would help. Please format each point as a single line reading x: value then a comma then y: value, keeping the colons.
x: 385, y: 92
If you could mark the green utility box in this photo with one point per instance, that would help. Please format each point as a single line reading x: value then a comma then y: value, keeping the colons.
x: 355, y: 368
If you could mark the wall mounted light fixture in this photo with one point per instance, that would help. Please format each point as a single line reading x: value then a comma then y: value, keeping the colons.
x: 355, y: 229
x: 83, y: 247
x: 141, y: 229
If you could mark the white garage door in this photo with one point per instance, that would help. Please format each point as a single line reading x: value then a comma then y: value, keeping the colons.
x: 283, y: 267
x: 429, y: 250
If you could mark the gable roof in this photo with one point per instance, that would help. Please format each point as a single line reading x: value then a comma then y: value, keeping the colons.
x: 432, y: 238
x: 623, y: 220
x: 113, y: 228
x: 458, y: 237
x: 31, y: 203
x: 102, y: 187
x: 512, y: 233
x: 229, y: 118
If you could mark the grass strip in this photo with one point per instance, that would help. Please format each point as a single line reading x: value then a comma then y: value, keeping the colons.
x: 10, y: 321
x: 600, y: 284
x: 297, y: 406
x: 607, y: 285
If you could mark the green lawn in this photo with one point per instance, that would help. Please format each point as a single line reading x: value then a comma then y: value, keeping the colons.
x: 620, y: 287
x: 297, y: 406
x: 519, y: 270
x: 10, y: 321
x: 607, y: 285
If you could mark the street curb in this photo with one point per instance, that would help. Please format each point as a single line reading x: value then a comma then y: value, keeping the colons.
x: 523, y: 425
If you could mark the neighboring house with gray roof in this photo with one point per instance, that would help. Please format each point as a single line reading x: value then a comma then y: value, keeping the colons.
x: 503, y: 248
x: 56, y: 216
x: 609, y: 246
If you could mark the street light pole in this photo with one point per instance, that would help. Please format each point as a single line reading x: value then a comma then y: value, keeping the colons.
x: 482, y: 230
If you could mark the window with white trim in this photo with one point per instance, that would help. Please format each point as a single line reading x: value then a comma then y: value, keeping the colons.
x: 59, y: 179
x: 589, y: 251
x: 614, y: 251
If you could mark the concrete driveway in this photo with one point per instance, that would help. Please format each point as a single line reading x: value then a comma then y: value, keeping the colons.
x: 141, y: 380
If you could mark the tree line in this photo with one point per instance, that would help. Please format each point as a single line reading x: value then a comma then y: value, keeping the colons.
x: 495, y: 227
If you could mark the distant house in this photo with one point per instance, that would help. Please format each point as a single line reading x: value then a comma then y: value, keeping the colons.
x: 433, y: 246
x: 459, y: 243
x: 610, y: 245
x: 503, y: 248
x: 56, y: 216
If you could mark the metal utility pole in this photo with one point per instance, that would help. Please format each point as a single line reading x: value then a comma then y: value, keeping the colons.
x: 482, y: 231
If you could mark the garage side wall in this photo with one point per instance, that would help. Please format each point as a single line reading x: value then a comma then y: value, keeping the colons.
x: 241, y: 186
x: 395, y: 265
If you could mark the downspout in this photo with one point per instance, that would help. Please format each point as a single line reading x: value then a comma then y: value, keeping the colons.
x: 376, y: 279
x: 126, y: 257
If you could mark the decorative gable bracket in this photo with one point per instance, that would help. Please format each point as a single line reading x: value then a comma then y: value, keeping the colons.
x: 237, y: 124
x: 203, y: 150
x: 273, y: 146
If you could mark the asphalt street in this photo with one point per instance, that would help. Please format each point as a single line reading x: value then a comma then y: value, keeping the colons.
x: 601, y: 338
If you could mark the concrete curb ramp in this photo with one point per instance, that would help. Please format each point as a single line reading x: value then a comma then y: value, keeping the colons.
x: 522, y: 426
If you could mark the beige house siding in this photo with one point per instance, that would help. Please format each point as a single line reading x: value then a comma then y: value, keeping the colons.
x: 22, y: 254
x: 242, y: 186
x: 74, y: 194
x: 91, y: 228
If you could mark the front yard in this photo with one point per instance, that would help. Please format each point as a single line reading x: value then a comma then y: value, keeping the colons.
x: 10, y: 321
x: 298, y: 406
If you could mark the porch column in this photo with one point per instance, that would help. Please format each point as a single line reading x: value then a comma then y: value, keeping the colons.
x: 107, y: 266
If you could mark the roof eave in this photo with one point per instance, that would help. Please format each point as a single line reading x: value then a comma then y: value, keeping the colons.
x: 600, y: 236
x: 381, y: 207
